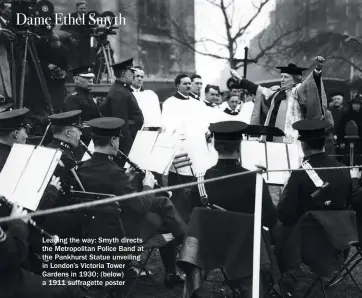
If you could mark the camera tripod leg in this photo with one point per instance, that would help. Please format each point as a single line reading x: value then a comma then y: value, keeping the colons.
x: 110, y: 60
x: 107, y: 62
x: 40, y: 74
x: 13, y: 75
x: 23, y: 73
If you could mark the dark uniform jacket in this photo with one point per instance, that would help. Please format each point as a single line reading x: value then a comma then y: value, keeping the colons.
x: 102, y: 175
x: 296, y: 197
x: 14, y: 280
x: 81, y: 99
x: 235, y: 194
x: 122, y: 104
x: 4, y: 153
x: 63, y: 224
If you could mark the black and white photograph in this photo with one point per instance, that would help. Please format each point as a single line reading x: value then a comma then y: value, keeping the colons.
x: 180, y: 148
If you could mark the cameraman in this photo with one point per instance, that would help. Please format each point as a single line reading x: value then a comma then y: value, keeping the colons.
x: 53, y: 56
x: 80, y: 51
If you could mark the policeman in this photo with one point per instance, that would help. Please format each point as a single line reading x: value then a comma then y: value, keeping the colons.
x: 142, y: 216
x: 122, y: 104
x: 13, y: 129
x: 81, y: 98
x: 66, y: 135
x: 308, y: 190
x: 237, y: 193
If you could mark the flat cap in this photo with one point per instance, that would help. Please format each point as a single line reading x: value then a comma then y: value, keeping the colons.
x: 83, y: 71
x: 127, y: 64
x: 14, y: 119
x: 106, y: 126
x: 292, y: 69
x: 71, y: 118
x: 311, y: 129
x: 228, y: 130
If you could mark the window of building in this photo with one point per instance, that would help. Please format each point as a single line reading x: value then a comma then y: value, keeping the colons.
x: 154, y: 13
x: 155, y: 57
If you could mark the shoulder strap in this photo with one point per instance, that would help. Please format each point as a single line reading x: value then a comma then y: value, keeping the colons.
x: 318, y: 182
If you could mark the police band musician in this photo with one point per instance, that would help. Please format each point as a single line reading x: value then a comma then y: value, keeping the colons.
x: 145, y: 216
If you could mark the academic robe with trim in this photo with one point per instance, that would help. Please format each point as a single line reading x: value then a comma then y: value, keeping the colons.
x: 282, y: 109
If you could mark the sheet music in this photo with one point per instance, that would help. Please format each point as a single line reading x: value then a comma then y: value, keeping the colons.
x: 86, y: 156
x: 36, y: 172
x: 277, y: 160
x: 252, y: 153
x: 14, y: 167
x: 142, y: 147
x: 153, y: 151
x: 203, y: 155
x: 271, y: 155
x: 295, y: 155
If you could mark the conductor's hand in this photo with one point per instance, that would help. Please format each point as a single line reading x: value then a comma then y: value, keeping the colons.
x: 319, y: 61
x: 235, y: 75
x: 355, y: 173
x: 56, y: 183
x: 131, y: 173
x: 19, y: 211
x: 149, y: 180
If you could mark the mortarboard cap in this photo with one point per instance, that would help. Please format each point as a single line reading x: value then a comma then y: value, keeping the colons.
x: 83, y: 71
x: 292, y: 69
x: 311, y: 129
x: 228, y: 130
x: 13, y: 120
x: 71, y: 118
x: 106, y: 126
x: 127, y: 64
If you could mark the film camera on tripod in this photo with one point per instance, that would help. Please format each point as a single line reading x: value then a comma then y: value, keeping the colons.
x: 102, y: 25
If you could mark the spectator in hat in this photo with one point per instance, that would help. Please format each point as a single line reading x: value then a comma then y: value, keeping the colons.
x: 338, y: 110
x: 121, y: 103
x: 80, y: 50
x: 353, y: 113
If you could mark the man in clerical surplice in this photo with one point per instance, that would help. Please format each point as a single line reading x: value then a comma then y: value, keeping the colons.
x: 147, y: 100
x: 184, y: 117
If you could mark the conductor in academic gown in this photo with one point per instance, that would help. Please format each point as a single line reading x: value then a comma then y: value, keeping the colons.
x: 121, y: 103
x: 237, y: 193
x: 294, y: 100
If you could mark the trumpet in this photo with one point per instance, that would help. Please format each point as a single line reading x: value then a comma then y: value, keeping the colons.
x: 32, y: 223
x: 131, y: 163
